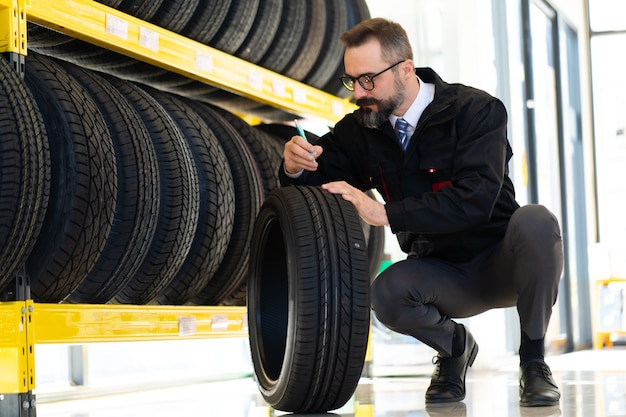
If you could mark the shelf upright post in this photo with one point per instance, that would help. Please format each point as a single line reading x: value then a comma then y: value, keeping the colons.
x: 17, y: 357
x: 13, y: 33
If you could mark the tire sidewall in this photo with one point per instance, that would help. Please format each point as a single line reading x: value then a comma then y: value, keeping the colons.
x: 272, y: 214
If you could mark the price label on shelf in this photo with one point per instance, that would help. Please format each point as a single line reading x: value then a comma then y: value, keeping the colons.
x: 299, y: 95
x: 187, y: 326
x: 278, y: 88
x: 149, y: 39
x: 219, y: 322
x: 255, y: 80
x: 204, y: 62
x: 337, y: 108
x: 116, y: 26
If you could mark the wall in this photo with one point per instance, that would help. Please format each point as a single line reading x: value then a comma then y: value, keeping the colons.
x: 464, y: 42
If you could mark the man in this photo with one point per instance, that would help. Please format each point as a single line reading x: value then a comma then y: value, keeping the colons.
x: 449, y: 200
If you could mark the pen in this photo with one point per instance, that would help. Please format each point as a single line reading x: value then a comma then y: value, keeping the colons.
x: 301, y: 131
x: 299, y: 128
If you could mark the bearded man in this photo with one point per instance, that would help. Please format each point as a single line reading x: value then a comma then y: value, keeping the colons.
x: 438, y: 154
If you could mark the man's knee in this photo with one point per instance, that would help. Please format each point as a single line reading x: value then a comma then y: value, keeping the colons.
x: 535, y: 222
x: 384, y: 301
x: 536, y: 242
x: 381, y: 299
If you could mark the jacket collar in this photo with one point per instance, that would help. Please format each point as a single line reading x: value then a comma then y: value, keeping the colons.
x: 445, y: 94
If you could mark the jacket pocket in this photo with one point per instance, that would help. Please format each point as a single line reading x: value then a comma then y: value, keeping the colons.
x: 437, y: 171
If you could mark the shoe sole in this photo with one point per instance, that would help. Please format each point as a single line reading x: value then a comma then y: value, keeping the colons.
x: 539, y: 403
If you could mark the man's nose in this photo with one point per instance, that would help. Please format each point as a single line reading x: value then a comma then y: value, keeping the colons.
x: 359, y: 92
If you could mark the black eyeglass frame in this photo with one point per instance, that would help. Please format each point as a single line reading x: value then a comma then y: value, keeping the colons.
x: 348, y: 81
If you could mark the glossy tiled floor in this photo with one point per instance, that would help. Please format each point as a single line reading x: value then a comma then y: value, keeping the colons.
x: 593, y: 384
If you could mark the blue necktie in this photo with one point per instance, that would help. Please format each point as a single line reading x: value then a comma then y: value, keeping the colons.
x: 402, y: 132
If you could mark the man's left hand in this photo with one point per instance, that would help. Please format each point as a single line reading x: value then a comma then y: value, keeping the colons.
x: 370, y: 210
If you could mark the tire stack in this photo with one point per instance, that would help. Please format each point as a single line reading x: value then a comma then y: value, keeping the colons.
x: 113, y: 191
x: 123, y: 183
x: 118, y: 193
x: 296, y: 38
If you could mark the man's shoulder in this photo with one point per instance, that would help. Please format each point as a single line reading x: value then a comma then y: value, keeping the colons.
x: 452, y: 90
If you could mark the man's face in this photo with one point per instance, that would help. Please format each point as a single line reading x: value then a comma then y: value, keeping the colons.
x: 373, y: 112
x: 377, y: 105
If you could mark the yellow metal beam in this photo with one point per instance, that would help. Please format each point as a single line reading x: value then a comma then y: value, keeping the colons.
x: 80, y: 323
x: 12, y: 26
x: 17, y: 365
x: 23, y: 324
x: 101, y: 25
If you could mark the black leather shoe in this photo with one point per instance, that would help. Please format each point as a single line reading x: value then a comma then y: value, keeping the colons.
x: 536, y: 385
x: 447, y: 383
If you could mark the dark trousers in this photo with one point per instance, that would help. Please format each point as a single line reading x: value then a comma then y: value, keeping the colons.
x: 420, y: 296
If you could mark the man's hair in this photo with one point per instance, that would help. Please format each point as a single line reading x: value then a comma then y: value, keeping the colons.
x: 394, y: 42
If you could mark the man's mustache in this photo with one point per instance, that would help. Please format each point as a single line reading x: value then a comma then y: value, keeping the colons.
x: 367, y: 101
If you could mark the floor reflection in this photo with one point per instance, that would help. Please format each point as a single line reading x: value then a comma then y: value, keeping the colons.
x: 590, y: 387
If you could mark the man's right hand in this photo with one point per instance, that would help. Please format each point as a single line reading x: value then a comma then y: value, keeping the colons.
x: 300, y: 155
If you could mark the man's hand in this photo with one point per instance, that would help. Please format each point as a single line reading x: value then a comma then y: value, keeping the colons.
x: 370, y: 210
x: 300, y: 155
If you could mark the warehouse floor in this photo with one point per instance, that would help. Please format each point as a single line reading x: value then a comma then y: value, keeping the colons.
x: 593, y: 383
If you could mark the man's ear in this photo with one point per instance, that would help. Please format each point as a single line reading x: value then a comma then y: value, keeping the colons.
x: 407, y: 68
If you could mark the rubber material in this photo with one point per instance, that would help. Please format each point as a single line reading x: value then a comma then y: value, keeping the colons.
x: 308, y: 300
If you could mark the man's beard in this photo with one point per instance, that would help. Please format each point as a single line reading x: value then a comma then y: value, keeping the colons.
x: 372, y: 119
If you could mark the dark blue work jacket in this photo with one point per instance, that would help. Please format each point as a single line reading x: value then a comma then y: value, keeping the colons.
x: 449, y: 195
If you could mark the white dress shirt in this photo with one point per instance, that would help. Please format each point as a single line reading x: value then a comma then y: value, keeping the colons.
x: 425, y: 96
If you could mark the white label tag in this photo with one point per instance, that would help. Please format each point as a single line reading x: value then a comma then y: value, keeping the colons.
x: 149, y: 39
x: 186, y: 326
x: 219, y: 322
x: 337, y: 108
x: 204, y: 62
x: 116, y: 26
x: 299, y: 95
x: 255, y: 80
x: 278, y: 88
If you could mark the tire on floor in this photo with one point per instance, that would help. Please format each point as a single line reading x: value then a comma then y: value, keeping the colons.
x: 308, y: 300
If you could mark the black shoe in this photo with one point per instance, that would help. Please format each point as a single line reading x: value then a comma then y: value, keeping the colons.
x: 536, y: 385
x: 448, y: 380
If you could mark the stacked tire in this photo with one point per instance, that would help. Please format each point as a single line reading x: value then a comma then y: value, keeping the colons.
x: 113, y: 193
x: 131, y: 184
x: 299, y: 39
x: 116, y: 193
x: 24, y: 175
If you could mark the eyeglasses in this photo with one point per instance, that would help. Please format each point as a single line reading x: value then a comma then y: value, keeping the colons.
x: 366, y: 81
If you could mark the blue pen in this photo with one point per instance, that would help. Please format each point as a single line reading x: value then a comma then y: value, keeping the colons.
x: 300, y: 131
x: 299, y: 128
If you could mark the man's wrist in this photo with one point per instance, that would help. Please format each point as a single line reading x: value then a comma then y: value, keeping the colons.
x: 294, y: 175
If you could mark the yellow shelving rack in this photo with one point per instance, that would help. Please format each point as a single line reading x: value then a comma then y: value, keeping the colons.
x: 23, y: 324
x: 106, y: 27
x: 603, y: 336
